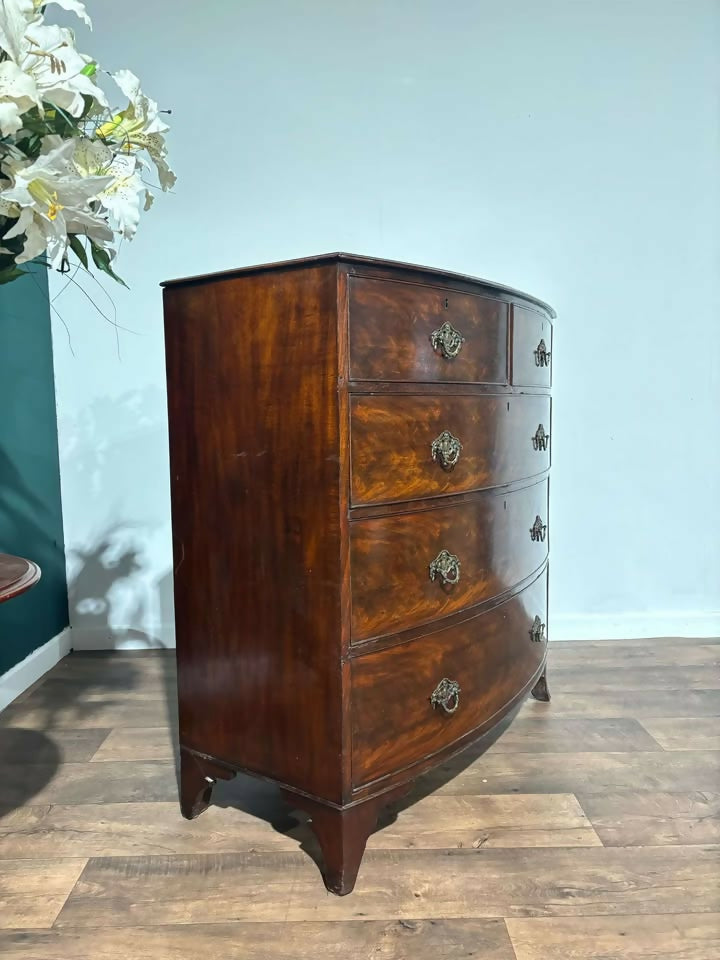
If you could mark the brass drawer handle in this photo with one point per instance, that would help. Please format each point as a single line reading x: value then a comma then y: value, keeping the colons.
x: 446, y: 695
x: 541, y: 439
x: 538, y: 531
x: 448, y: 339
x: 542, y: 355
x: 446, y: 449
x: 446, y: 566
x: 537, y: 631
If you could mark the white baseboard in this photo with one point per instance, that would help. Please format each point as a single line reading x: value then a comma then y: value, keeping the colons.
x: 635, y: 626
x: 92, y: 638
x: 35, y: 665
x: 598, y: 626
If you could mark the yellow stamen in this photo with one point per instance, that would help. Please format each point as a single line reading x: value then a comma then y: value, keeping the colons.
x: 54, y: 207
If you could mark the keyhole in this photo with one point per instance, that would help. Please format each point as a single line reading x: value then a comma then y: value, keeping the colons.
x: 447, y: 303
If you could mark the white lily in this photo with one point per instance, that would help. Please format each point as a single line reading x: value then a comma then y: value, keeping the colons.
x: 139, y: 127
x: 8, y: 208
x: 15, y: 18
x: 122, y: 198
x: 18, y: 94
x: 43, y: 66
x: 54, y: 201
x: 74, y: 6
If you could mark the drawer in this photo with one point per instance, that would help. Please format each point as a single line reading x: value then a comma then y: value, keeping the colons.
x: 531, y: 349
x: 403, y: 568
x: 395, y: 438
x: 408, y: 332
x: 491, y: 657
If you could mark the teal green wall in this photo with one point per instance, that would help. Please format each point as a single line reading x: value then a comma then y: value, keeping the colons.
x: 30, y: 511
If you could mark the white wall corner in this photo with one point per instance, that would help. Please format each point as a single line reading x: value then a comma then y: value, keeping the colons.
x: 635, y: 626
x: 24, y: 674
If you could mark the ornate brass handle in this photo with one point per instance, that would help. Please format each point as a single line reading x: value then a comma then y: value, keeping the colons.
x: 446, y: 695
x: 538, y: 531
x: 537, y: 630
x: 446, y: 566
x: 541, y: 439
x: 448, y: 339
x: 446, y: 449
x: 542, y: 355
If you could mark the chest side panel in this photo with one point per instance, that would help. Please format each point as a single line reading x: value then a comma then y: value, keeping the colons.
x: 255, y: 478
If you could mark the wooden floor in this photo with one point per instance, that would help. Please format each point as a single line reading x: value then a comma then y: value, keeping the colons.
x: 590, y: 829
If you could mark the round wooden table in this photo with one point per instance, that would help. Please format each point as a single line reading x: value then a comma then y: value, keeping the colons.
x: 16, y: 576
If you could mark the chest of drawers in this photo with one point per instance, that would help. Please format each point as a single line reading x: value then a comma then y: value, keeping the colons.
x: 359, y: 473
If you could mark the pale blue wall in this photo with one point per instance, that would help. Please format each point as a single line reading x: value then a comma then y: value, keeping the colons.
x: 568, y: 147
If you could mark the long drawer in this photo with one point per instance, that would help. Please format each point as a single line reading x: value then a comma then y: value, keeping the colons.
x: 410, y: 447
x: 412, y: 568
x: 434, y: 690
x: 417, y: 332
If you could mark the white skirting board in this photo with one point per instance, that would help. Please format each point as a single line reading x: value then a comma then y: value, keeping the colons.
x: 635, y: 626
x: 610, y: 626
x: 92, y: 638
x: 35, y: 665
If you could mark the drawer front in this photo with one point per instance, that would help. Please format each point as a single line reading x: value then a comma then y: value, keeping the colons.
x: 409, y: 332
x: 490, y: 658
x: 401, y: 450
x: 410, y: 569
x: 532, y: 349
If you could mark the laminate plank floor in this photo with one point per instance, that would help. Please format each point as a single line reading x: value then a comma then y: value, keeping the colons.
x: 590, y: 829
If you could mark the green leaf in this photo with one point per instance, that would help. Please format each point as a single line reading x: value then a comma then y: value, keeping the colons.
x: 101, y: 259
x: 11, y: 273
x: 78, y: 249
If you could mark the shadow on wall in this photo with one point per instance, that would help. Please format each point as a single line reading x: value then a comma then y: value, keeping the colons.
x: 114, y: 456
x: 110, y: 598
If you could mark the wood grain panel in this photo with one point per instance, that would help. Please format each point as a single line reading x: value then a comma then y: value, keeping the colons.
x: 549, y: 734
x: 391, y: 324
x: 392, y: 436
x: 581, y: 773
x: 254, y: 443
x: 391, y: 688
x: 31, y: 747
x: 137, y: 743
x: 650, y: 653
x: 32, y: 892
x: 38, y: 714
x: 690, y: 733
x: 145, y: 828
x: 529, y: 328
x: 471, y: 822
x: 390, y: 558
x: 87, y: 783
x: 578, y: 679
x: 679, y: 936
x: 632, y: 703
x: 350, y: 940
x: 651, y: 818
x: 407, y: 884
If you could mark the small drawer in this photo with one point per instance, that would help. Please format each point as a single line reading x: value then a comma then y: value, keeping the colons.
x: 410, y: 447
x: 413, y: 332
x: 531, y: 349
x: 485, y: 663
x: 409, y: 569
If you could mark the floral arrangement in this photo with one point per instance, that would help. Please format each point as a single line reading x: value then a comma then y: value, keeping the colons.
x: 71, y: 167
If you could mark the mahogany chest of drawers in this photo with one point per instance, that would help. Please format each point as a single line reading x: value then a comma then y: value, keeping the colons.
x: 359, y: 471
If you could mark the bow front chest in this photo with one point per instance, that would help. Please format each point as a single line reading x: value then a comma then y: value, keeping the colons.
x: 359, y: 471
